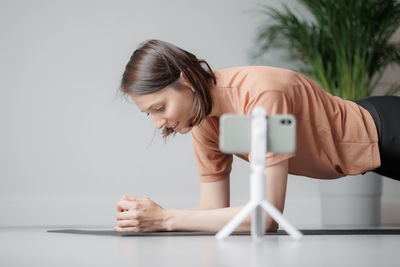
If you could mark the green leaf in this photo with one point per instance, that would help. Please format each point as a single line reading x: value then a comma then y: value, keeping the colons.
x: 346, y: 45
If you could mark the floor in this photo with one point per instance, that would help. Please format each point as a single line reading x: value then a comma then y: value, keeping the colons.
x: 35, y: 247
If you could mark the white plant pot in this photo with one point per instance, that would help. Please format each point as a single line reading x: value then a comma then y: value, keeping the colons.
x: 351, y: 201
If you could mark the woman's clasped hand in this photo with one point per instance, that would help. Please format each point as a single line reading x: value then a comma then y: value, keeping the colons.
x: 137, y: 214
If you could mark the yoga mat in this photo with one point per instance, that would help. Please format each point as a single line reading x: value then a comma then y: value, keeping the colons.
x: 279, y: 232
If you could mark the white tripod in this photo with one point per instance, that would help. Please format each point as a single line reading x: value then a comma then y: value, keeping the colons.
x: 257, y: 204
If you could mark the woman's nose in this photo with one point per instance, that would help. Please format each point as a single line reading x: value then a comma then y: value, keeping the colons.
x: 158, y: 122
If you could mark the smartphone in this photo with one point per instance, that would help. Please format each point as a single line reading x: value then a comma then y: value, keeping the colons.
x: 235, y: 133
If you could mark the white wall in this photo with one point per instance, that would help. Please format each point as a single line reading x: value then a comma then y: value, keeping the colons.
x: 69, y: 148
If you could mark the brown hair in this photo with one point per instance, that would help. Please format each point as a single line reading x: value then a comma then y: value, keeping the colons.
x: 157, y: 64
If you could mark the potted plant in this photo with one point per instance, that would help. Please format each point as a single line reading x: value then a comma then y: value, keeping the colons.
x: 346, y: 46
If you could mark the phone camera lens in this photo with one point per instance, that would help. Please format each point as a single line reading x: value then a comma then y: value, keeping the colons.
x: 286, y: 122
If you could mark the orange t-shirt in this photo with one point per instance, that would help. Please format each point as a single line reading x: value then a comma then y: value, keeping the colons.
x: 335, y: 137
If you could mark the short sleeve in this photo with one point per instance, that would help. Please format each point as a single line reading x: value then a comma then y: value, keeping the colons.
x: 212, y: 164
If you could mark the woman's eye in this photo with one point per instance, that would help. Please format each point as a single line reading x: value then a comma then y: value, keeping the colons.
x: 147, y: 114
x: 160, y: 109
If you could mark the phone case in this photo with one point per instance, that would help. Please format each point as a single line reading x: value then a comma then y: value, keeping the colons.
x: 235, y: 133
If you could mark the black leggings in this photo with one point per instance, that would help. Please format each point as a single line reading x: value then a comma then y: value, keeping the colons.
x: 385, y: 110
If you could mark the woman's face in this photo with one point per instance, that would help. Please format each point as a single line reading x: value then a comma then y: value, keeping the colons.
x: 169, y: 107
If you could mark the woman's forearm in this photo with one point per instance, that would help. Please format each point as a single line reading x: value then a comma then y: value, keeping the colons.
x: 211, y: 220
x: 144, y: 215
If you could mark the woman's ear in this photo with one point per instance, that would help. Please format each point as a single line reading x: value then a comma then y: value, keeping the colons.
x: 185, y: 83
x: 183, y: 79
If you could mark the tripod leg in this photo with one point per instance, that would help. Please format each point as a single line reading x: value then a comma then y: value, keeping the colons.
x: 236, y: 220
x: 258, y: 222
x: 278, y: 217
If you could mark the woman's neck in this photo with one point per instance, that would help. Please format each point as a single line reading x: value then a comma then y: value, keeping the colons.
x: 216, y: 107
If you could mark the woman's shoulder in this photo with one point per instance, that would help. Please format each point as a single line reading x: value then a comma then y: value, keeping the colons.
x: 257, y: 79
x: 263, y: 76
x: 255, y: 70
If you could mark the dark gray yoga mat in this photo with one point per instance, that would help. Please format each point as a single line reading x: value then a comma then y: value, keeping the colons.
x: 280, y: 232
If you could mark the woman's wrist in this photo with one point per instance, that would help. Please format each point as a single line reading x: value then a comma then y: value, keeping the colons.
x: 169, y: 216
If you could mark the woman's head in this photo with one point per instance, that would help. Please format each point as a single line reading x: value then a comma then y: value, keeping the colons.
x: 172, y: 81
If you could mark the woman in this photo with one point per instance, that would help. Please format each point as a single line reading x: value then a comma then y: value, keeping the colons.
x: 182, y: 94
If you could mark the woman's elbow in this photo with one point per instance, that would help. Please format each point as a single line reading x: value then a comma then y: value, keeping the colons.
x: 272, y: 227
